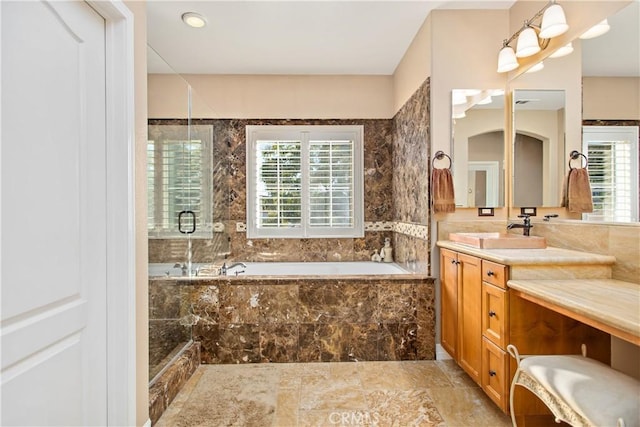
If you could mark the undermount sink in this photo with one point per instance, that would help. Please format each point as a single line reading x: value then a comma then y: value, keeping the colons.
x: 499, y: 240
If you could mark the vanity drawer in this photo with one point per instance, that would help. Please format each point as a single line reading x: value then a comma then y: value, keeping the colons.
x: 493, y: 273
x: 495, y: 374
x: 494, y: 314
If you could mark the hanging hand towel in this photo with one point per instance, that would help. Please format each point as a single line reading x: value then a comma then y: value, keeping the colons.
x: 577, y: 195
x: 442, y: 194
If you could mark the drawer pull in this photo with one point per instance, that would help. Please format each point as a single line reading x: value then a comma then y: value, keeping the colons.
x: 492, y: 373
x: 490, y: 273
x: 492, y: 313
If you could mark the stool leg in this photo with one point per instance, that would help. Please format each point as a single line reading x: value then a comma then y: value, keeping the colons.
x: 511, y: 393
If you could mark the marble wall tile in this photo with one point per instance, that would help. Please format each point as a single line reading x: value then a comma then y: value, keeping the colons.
x: 239, y: 304
x: 279, y: 342
x: 200, y: 303
x: 164, y: 301
x: 166, y: 336
x: 278, y: 304
x: 398, y: 341
x: 411, y: 142
x: 338, y: 342
x: 331, y: 302
x: 239, y: 343
x: 248, y: 320
x: 208, y: 336
x: 164, y: 388
x: 229, y: 178
x: 397, y: 302
x: 624, y: 244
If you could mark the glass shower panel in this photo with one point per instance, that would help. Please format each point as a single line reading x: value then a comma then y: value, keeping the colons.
x: 188, y: 201
x: 168, y: 153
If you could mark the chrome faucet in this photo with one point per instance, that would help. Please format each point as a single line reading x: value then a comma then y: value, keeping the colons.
x: 182, y: 267
x: 224, y: 269
x: 526, y: 225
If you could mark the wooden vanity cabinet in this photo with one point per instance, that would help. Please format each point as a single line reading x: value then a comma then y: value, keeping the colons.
x: 449, y: 302
x: 480, y: 316
x: 461, y: 309
x: 496, y: 377
x: 474, y: 315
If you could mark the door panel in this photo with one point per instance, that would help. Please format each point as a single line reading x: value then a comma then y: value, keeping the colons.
x: 53, y: 219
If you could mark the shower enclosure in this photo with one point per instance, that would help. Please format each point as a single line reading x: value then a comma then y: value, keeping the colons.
x: 187, y: 194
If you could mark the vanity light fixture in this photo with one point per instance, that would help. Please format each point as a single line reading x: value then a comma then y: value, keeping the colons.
x: 507, y: 60
x: 527, y: 43
x: 539, y: 66
x: 597, y: 30
x: 533, y: 38
x: 194, y: 20
x: 563, y: 51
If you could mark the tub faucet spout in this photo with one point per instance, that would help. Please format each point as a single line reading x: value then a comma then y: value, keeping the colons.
x: 182, y: 267
x: 225, y: 269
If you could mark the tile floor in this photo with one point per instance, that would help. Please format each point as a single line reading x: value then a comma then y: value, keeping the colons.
x: 384, y: 394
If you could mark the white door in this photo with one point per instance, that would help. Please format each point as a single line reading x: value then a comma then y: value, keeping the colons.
x: 53, y: 215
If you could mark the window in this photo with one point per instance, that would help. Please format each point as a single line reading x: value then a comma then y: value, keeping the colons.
x: 179, y: 179
x: 304, y: 181
x: 613, y: 172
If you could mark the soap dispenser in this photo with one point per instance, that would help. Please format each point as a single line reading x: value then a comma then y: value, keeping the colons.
x: 386, y: 253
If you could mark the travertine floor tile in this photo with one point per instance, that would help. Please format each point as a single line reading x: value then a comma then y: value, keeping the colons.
x: 467, y: 406
x: 380, y: 394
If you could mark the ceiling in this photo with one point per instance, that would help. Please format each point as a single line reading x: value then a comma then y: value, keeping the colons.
x: 333, y: 37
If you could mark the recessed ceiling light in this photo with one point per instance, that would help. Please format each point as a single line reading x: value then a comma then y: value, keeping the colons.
x: 194, y: 19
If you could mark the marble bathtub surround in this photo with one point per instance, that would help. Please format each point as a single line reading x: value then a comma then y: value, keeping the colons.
x: 413, y: 393
x: 164, y: 388
x: 316, y: 319
x: 396, y: 191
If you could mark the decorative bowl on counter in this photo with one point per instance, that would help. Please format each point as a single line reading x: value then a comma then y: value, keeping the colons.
x: 499, y: 240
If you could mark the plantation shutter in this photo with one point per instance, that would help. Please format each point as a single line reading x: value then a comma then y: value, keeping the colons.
x: 179, y: 179
x: 331, y: 183
x: 610, y: 179
x: 304, y: 181
x: 612, y: 152
x: 279, y: 184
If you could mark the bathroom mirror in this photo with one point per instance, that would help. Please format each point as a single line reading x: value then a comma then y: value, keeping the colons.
x: 611, y: 117
x: 538, y: 147
x: 478, y: 147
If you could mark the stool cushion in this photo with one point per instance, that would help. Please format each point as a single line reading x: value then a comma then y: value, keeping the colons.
x: 594, y: 390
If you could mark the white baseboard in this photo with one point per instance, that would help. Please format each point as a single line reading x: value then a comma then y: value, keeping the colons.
x: 441, y: 354
x: 148, y: 423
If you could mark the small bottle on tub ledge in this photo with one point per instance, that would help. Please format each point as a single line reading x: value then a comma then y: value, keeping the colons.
x: 386, y: 253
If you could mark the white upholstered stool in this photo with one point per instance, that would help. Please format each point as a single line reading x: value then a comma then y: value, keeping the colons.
x: 578, y: 390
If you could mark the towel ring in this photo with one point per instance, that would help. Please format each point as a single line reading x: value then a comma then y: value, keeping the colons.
x: 575, y: 155
x: 439, y: 156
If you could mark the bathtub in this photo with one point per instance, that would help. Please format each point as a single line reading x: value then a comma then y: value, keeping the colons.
x: 347, y: 268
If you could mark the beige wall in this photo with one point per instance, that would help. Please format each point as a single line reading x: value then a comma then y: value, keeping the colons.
x: 611, y: 98
x: 464, y: 54
x: 273, y: 96
x: 414, y: 68
x: 139, y: 9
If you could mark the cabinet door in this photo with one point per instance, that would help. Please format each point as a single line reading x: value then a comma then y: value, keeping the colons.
x: 449, y: 301
x: 494, y: 314
x: 470, y: 315
x: 495, y: 377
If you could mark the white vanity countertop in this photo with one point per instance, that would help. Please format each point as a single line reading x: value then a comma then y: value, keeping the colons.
x: 612, y: 305
x: 546, y: 256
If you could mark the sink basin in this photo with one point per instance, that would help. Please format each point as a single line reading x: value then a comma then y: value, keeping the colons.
x: 499, y: 240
